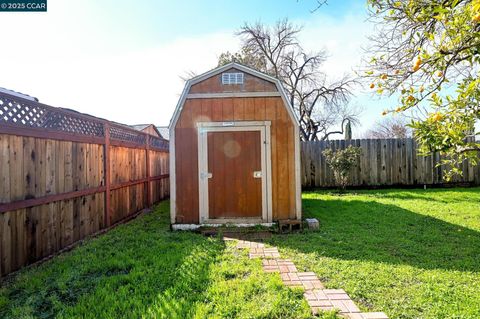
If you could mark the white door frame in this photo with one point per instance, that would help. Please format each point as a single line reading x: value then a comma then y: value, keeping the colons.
x: 266, y: 166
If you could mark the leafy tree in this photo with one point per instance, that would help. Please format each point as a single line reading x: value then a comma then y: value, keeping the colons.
x: 246, y: 56
x: 390, y: 127
x: 323, y: 108
x: 341, y: 162
x: 428, y: 52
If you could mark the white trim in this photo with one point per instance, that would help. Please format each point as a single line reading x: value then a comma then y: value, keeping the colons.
x: 203, y: 128
x: 231, y: 78
x: 185, y: 226
x: 298, y: 185
x: 231, y: 94
x: 202, y: 181
x: 197, y: 226
x: 173, y: 182
x: 179, y: 107
x: 234, y: 123
x: 268, y: 154
x: 263, y: 168
x: 235, y: 221
x: 172, y: 172
x: 221, y: 69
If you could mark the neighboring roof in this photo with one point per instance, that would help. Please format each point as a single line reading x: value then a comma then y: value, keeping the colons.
x: 142, y: 127
x: 221, y: 69
x: 164, y: 132
x: 18, y: 94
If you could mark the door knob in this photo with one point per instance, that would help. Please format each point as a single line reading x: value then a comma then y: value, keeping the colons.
x: 257, y: 174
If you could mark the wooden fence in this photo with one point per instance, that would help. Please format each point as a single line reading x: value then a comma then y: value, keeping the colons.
x: 66, y: 175
x: 384, y: 162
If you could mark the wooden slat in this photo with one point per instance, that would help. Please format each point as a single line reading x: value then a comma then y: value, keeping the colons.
x: 52, y: 191
x: 384, y: 162
x: 16, y: 168
x: 4, y: 169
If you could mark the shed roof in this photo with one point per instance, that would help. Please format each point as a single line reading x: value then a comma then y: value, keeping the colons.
x: 221, y: 69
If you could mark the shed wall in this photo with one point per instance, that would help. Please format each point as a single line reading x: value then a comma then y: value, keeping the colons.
x: 234, y: 109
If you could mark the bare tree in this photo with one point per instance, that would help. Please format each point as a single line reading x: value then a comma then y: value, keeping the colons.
x: 323, y: 108
x: 390, y: 127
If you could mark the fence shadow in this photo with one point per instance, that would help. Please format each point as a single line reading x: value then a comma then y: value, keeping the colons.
x: 454, y: 196
x: 138, y: 270
x: 371, y: 231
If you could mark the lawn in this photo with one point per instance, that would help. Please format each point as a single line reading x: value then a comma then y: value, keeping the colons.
x: 410, y: 253
x: 142, y: 270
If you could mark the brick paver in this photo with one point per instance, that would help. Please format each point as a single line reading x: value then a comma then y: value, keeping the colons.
x: 318, y: 298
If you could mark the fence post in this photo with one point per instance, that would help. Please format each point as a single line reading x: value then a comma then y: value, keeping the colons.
x: 147, y: 157
x: 106, y: 159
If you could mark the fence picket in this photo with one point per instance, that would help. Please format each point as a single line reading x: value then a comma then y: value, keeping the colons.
x: 383, y: 162
x: 54, y: 170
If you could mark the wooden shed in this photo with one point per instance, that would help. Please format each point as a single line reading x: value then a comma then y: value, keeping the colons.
x: 235, y: 151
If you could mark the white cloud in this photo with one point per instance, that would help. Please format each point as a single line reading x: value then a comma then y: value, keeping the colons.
x: 73, y: 57
x: 134, y: 87
x: 67, y: 59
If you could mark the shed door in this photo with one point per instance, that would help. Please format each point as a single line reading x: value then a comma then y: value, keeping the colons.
x: 235, y: 183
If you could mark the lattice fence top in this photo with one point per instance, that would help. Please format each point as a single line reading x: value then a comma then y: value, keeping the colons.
x: 24, y: 113
x: 20, y: 112
x: 159, y: 142
x: 125, y: 134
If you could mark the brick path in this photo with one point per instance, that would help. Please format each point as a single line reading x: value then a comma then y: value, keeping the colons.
x: 319, y: 298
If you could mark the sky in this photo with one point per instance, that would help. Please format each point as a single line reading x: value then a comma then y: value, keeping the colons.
x: 123, y: 60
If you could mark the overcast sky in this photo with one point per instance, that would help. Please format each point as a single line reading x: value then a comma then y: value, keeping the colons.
x: 122, y: 60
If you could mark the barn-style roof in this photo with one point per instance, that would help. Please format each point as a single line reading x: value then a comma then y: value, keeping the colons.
x: 224, y: 68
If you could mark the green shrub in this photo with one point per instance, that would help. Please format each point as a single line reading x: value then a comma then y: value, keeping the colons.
x: 341, y: 161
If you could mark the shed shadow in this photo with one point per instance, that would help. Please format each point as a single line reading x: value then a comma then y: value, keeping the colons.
x: 372, y: 231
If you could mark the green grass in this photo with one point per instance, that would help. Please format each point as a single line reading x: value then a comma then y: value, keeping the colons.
x: 142, y: 270
x: 410, y: 253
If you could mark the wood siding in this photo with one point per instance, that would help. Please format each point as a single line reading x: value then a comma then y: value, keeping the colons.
x: 234, y: 109
x: 37, y: 168
x: 384, y: 162
x: 251, y: 84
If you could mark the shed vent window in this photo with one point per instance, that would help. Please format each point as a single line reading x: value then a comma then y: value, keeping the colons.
x: 232, y: 78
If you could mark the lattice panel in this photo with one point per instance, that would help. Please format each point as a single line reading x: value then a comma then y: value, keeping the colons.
x: 159, y: 143
x: 67, y: 123
x: 16, y: 113
x: 32, y: 114
x: 119, y: 133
